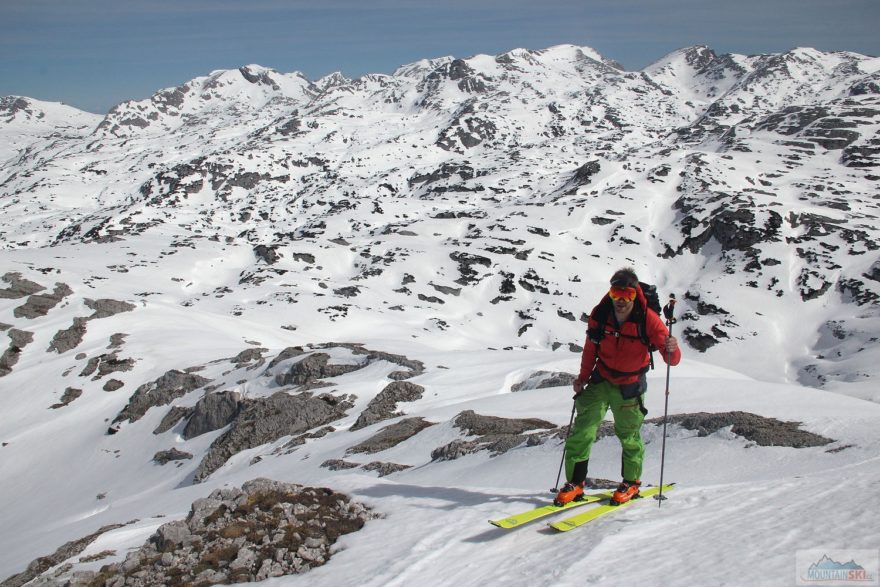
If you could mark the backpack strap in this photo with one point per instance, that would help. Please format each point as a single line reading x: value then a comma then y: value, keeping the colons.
x: 600, y: 314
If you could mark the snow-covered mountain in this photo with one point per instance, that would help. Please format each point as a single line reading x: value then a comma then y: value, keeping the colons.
x: 405, y: 249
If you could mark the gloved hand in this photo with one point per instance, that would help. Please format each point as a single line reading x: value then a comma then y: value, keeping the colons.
x: 578, y: 387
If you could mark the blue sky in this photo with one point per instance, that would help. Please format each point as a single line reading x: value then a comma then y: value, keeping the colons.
x: 93, y: 54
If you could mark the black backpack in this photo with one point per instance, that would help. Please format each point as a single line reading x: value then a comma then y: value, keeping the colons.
x: 603, y: 311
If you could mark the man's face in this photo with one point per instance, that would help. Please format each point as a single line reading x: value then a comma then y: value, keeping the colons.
x: 623, y: 299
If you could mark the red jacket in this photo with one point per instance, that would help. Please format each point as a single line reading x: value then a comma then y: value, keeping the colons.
x: 625, y: 354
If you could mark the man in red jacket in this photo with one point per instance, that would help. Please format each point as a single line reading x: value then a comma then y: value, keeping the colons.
x: 613, y: 367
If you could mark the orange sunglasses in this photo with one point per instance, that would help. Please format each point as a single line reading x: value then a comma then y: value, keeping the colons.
x: 627, y: 294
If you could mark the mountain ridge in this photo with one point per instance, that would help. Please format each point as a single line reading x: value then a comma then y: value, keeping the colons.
x: 252, y: 150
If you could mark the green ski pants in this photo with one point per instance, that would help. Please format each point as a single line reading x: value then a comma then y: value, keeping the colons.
x: 592, y: 405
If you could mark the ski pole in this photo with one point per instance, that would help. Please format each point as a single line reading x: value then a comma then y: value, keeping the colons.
x: 667, y: 312
x: 568, y: 432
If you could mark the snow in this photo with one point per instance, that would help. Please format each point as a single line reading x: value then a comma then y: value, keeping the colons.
x: 737, y: 516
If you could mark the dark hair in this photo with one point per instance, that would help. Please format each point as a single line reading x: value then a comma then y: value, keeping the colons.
x: 625, y: 277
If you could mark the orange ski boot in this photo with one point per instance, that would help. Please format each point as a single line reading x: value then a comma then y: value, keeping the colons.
x: 569, y: 492
x: 626, y: 491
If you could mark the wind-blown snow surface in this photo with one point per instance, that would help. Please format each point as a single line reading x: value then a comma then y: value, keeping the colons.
x: 465, y: 214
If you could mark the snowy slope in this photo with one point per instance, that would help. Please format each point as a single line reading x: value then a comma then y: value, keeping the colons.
x: 454, y: 221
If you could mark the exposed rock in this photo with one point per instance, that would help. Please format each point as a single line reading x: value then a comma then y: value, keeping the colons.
x: 264, y: 529
x: 759, y: 429
x: 478, y: 425
x: 348, y: 291
x: 106, y: 364
x: 384, y: 405
x: 170, y: 386
x: 385, y: 469
x: 64, y: 552
x: 174, y: 415
x: 166, y: 456
x: 288, y: 353
x: 582, y: 176
x: 113, y: 385
x: 466, y: 262
x: 264, y: 420
x: 544, y: 379
x: 39, y: 304
x: 699, y: 340
x: 415, y: 367
x: 497, y: 435
x: 316, y: 366
x: 251, y: 358
x: 339, y: 465
x: 117, y: 340
x: 312, y: 368
x: 268, y: 254
x: 65, y: 340
x: 68, y: 396
x: 391, y: 436
x: 446, y: 171
x: 18, y: 340
x: 105, y: 308
x: 430, y: 299
x: 212, y: 412
x: 19, y: 287
x: 300, y: 440
x: 450, y: 291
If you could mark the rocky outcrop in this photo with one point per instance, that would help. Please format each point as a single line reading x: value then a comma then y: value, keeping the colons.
x: 69, y: 395
x: 262, y: 530
x: 382, y: 468
x: 582, y: 176
x: 104, y: 308
x: 312, y: 369
x: 466, y: 263
x: 761, y: 430
x: 385, y: 469
x: 698, y: 340
x: 268, y: 254
x: 265, y: 420
x: 65, y: 552
x: 474, y: 424
x: 391, y: 436
x: 105, y: 364
x: 384, y: 405
x: 543, y: 380
x: 164, y: 457
x: 18, y: 339
x: 19, y: 287
x: 174, y: 415
x: 170, y: 386
x: 497, y: 435
x: 70, y: 338
x: 249, y: 359
x: 316, y: 367
x: 212, y: 412
x: 39, y: 304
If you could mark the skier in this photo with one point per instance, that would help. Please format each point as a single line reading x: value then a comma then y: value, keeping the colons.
x: 614, y: 362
